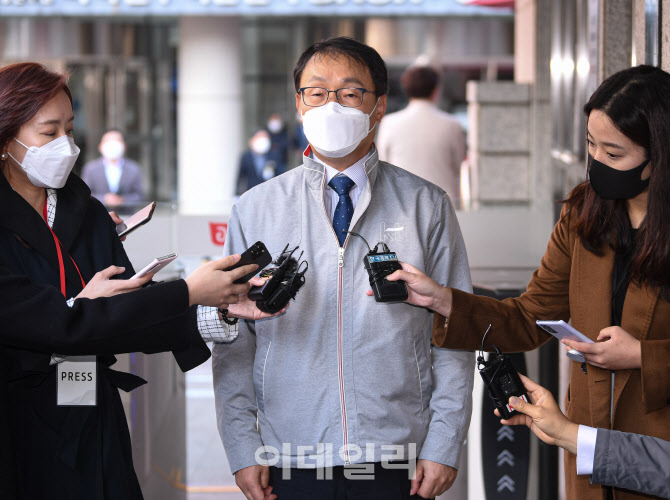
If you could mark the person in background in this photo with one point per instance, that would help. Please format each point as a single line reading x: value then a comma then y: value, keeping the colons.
x: 421, y: 138
x: 258, y: 163
x: 622, y: 459
x: 278, y: 140
x: 299, y: 141
x: 114, y: 179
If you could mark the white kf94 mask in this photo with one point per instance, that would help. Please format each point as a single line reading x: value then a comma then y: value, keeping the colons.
x: 50, y: 165
x: 112, y: 150
x: 334, y: 130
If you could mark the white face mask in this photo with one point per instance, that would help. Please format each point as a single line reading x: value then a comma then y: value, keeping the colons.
x: 334, y: 130
x: 112, y: 150
x: 261, y: 145
x: 275, y: 126
x: 50, y: 165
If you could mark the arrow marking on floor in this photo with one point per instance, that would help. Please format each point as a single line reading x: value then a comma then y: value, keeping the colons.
x: 506, y: 433
x: 506, y: 482
x: 506, y: 457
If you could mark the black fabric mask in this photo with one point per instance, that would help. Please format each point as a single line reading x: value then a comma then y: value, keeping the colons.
x: 612, y: 184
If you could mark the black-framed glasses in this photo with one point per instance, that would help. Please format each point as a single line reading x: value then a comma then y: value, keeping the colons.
x: 349, y: 97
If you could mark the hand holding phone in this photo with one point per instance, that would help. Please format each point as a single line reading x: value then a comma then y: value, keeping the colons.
x: 561, y: 330
x: 136, y: 220
x: 255, y: 254
x: 156, y: 265
x: 102, y: 284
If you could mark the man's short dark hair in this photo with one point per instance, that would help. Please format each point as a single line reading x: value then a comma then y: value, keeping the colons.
x: 419, y: 81
x: 344, y: 46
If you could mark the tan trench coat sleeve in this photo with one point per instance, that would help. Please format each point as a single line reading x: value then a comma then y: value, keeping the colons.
x: 513, y: 320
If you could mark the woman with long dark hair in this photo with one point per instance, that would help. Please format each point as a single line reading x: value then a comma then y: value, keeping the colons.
x: 59, y: 244
x: 606, y: 268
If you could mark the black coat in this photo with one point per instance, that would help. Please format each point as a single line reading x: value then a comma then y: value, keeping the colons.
x: 73, y: 453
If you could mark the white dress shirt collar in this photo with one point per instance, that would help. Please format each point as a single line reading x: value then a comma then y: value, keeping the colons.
x: 355, y: 172
x: 421, y: 103
x: 113, y: 174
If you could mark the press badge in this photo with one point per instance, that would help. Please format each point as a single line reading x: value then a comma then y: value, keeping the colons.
x: 77, y: 378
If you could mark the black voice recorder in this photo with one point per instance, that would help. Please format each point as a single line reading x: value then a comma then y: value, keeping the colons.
x: 501, y: 379
x: 379, y: 264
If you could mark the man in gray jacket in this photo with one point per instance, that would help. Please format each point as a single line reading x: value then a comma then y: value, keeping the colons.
x: 340, y: 385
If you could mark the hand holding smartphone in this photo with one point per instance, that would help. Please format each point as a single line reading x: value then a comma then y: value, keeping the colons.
x: 561, y: 330
x: 136, y: 220
x: 255, y: 254
x: 156, y: 265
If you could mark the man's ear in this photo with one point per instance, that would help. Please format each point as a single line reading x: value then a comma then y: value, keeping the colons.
x: 381, y: 108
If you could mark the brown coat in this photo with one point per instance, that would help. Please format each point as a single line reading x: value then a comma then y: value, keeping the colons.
x: 573, y: 283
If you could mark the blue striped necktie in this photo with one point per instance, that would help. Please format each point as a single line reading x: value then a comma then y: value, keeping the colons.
x: 345, y: 207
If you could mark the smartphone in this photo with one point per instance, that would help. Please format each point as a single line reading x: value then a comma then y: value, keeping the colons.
x: 136, y: 220
x: 156, y: 265
x: 255, y: 254
x: 561, y: 330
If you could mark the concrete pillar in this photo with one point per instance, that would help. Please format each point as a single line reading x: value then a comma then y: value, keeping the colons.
x: 525, y: 13
x: 664, y: 35
x: 380, y: 33
x: 499, y: 139
x: 209, y: 114
x: 639, y: 33
x: 518, y: 166
x: 541, y: 180
x: 615, y: 26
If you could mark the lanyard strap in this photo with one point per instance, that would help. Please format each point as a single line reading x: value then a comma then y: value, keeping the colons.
x: 61, y: 266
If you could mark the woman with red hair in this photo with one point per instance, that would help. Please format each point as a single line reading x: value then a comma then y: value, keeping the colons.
x: 54, y: 234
